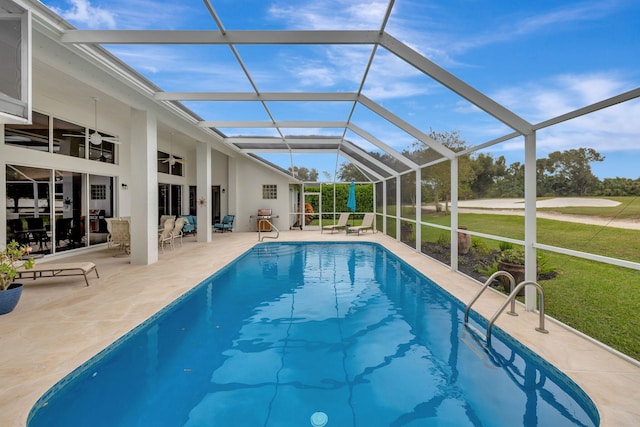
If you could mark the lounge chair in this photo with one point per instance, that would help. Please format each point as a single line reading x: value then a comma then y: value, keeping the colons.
x: 340, y: 225
x: 58, y: 270
x: 367, y: 224
x: 226, y: 224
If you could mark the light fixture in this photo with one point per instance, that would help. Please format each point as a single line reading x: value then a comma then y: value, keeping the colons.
x: 223, y: 191
x: 124, y: 186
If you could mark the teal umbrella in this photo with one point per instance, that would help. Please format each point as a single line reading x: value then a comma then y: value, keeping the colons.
x: 351, y: 201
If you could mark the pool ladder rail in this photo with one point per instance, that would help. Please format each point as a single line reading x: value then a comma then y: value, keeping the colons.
x: 273, y: 227
x: 511, y: 299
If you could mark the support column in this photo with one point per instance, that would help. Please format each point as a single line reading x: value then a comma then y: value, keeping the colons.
x: 203, y: 191
x: 418, y: 227
x: 454, y: 214
x: 398, y: 208
x: 530, y: 219
x: 143, y: 188
x: 384, y: 206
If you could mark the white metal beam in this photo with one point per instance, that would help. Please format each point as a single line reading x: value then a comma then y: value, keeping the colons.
x: 623, y: 97
x: 267, y: 124
x: 405, y: 126
x: 252, y: 96
x: 450, y: 81
x: 255, y: 37
x: 384, y: 147
x: 370, y: 158
x: 274, y: 140
x: 361, y: 166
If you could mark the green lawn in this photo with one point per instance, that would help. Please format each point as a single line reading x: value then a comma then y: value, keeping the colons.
x: 598, y: 299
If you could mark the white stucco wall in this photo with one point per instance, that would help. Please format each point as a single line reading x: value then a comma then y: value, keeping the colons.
x: 249, y: 178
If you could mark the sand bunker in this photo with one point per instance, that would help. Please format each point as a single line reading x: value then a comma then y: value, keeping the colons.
x: 557, y: 202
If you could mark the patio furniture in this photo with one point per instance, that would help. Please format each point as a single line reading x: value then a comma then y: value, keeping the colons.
x: 190, y: 225
x: 166, y: 234
x: 367, y: 224
x: 120, y: 235
x: 177, y: 232
x: 164, y: 218
x: 109, y: 237
x: 340, y: 225
x: 226, y: 224
x: 58, y: 270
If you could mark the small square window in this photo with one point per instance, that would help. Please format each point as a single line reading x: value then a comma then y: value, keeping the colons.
x: 98, y: 192
x: 269, y: 191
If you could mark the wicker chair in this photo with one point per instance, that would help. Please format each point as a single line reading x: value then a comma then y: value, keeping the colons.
x: 120, y: 235
x: 166, y: 235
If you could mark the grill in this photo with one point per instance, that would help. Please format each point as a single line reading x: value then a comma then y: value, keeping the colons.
x: 263, y: 225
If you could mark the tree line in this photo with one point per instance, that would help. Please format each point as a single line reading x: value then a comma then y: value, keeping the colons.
x: 562, y: 173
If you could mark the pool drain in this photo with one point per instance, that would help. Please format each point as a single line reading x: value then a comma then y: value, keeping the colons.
x: 319, y: 419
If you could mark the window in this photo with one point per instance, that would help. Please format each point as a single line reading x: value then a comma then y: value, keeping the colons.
x: 98, y: 192
x: 169, y: 164
x: 34, y: 136
x: 69, y: 139
x: 269, y: 191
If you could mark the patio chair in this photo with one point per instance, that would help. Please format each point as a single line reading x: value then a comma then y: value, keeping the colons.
x: 367, y: 224
x: 177, y: 232
x: 190, y: 224
x: 163, y: 218
x: 226, y: 224
x: 166, y: 234
x: 109, y: 236
x: 120, y: 235
x: 340, y: 225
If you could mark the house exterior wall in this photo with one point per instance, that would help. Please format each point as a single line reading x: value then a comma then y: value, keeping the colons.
x: 64, y: 85
x: 250, y: 178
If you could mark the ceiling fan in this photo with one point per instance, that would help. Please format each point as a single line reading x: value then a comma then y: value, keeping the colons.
x: 171, y: 159
x: 96, y: 138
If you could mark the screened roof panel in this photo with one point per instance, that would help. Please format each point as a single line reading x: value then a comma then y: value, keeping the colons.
x: 185, y: 68
x: 310, y: 68
x: 471, y: 65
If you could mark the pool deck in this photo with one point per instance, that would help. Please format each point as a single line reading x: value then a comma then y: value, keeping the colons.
x: 60, y: 323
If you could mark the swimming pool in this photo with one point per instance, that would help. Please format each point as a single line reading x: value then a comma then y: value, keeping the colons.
x: 290, y: 330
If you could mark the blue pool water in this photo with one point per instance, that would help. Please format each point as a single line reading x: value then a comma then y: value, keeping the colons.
x: 291, y: 334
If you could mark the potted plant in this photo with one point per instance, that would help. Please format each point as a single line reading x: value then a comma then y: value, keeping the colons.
x: 12, y: 257
x: 512, y: 261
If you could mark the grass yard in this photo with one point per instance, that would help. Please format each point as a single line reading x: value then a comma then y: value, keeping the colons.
x: 598, y: 299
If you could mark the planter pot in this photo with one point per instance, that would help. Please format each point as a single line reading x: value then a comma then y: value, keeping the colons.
x: 517, y: 271
x: 464, y: 242
x: 9, y: 298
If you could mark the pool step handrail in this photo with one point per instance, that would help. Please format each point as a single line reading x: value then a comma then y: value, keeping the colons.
x: 512, y: 284
x: 511, y: 299
x: 273, y: 227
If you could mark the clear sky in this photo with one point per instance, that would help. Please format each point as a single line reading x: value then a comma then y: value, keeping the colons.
x: 538, y: 58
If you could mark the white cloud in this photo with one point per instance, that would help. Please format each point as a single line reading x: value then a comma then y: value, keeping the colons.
x: 611, y: 129
x: 83, y: 13
x: 331, y: 14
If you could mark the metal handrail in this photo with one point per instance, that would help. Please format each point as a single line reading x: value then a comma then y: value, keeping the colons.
x: 273, y: 227
x: 511, y: 299
x: 512, y: 283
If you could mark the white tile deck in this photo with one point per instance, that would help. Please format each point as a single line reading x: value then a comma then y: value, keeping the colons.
x: 60, y: 323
